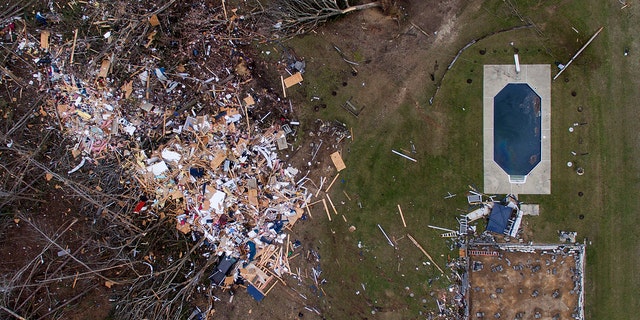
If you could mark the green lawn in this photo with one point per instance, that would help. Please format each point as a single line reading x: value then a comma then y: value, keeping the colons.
x: 448, y: 139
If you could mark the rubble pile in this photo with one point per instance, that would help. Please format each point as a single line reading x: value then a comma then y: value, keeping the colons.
x: 182, y: 117
x: 225, y: 183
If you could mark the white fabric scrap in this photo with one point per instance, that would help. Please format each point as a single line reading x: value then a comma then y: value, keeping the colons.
x: 170, y: 156
x: 217, y: 201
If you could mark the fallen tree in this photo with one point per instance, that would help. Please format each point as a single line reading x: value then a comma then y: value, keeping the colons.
x: 293, y: 17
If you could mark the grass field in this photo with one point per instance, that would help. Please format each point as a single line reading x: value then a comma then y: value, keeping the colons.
x: 448, y: 140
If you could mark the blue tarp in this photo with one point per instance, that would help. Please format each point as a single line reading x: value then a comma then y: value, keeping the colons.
x: 255, y: 293
x: 252, y: 250
x: 499, y: 218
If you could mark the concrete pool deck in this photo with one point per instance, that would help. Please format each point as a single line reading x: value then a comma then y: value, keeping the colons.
x: 496, y: 77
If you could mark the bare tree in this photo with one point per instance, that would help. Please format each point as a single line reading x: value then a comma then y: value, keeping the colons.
x: 292, y: 17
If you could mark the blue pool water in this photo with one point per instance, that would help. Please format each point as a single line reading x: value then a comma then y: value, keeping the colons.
x: 517, y: 129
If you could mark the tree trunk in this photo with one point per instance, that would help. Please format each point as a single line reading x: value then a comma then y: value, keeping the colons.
x: 362, y: 7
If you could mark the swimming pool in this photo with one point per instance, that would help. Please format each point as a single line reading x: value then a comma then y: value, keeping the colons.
x: 517, y: 129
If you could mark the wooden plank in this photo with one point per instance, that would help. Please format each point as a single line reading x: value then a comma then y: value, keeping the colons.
x: 218, y: 159
x: 306, y: 205
x: 73, y: 47
x: 249, y: 101
x: 331, y: 203
x: 104, y: 68
x: 44, y: 39
x: 309, y: 212
x: 253, y: 197
x: 284, y: 90
x: 402, y: 216
x: 326, y: 209
x: 332, y: 181
x: 293, y: 80
x: 274, y: 284
x: 337, y: 161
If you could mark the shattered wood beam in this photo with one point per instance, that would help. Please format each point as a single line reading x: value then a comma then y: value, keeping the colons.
x: 424, y: 251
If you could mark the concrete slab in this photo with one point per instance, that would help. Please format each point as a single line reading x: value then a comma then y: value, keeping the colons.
x: 496, y: 77
x: 543, y: 281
